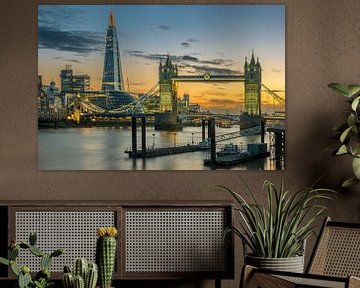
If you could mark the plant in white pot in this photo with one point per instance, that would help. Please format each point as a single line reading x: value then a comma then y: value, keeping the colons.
x: 276, y: 233
x: 349, y: 131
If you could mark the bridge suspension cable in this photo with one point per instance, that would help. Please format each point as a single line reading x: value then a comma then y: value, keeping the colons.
x: 273, y: 93
x: 139, y: 101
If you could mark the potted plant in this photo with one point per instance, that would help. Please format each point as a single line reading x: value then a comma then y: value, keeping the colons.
x: 276, y: 233
x: 349, y: 132
x: 42, y: 278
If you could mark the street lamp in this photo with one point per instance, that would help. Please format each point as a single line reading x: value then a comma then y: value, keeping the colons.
x: 174, y: 139
x: 153, y: 146
x: 192, y: 138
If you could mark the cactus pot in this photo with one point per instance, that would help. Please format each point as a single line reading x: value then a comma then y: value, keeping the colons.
x: 291, y: 264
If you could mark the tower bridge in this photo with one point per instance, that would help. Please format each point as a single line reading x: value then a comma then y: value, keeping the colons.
x: 166, y: 90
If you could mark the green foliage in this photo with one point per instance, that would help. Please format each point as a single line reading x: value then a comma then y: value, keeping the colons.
x: 42, y: 278
x: 349, y: 131
x: 279, y: 229
x: 42, y: 283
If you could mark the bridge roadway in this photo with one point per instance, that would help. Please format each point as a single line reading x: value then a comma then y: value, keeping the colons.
x: 209, y: 77
x: 241, y: 133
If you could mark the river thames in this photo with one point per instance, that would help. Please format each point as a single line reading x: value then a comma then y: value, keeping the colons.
x: 103, y: 148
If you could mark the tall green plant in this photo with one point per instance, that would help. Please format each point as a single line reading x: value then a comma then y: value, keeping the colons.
x: 279, y: 229
x: 349, y: 131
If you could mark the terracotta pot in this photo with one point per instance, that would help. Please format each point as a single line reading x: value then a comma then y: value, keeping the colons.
x: 291, y: 264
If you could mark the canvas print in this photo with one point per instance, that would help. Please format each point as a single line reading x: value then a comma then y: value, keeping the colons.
x: 161, y: 87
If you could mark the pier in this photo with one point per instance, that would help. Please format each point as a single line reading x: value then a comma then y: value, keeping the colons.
x: 230, y: 160
x: 155, y: 152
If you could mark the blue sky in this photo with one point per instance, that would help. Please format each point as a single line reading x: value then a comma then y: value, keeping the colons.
x: 201, y: 38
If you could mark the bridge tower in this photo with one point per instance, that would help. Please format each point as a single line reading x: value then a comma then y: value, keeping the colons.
x: 252, y: 85
x: 168, y: 87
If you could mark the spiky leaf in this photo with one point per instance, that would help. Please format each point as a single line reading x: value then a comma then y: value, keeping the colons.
x: 349, y: 182
x: 340, y: 88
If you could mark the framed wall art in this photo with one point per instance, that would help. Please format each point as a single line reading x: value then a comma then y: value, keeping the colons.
x: 161, y: 87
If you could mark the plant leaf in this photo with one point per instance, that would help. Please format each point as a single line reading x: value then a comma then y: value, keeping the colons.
x: 4, y: 261
x: 340, y: 88
x: 349, y: 182
x: 356, y: 167
x: 353, y: 89
x: 355, y: 103
x: 342, y: 150
x: 345, y: 134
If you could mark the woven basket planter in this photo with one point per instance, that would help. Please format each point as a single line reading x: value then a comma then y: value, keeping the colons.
x: 291, y: 264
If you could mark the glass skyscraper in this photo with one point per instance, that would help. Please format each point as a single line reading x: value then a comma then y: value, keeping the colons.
x: 112, y: 76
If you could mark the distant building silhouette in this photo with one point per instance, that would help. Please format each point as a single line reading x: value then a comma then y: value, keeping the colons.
x: 112, y: 74
x: 71, y: 83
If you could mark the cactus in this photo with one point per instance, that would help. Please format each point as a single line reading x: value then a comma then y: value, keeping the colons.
x: 80, y: 267
x: 43, y: 274
x: 42, y: 278
x: 79, y: 282
x: 105, y: 254
x: 68, y: 280
x: 13, y: 253
x: 4, y: 261
x: 91, y: 276
x: 32, y: 239
x: 14, y: 268
x: 36, y: 251
x: 24, y: 280
x: 45, y: 261
x: 89, y: 272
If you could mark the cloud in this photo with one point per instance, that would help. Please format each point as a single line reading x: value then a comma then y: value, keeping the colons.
x: 163, y: 27
x: 193, y: 40
x: 81, y: 42
x: 186, y: 44
x: 276, y: 70
x: 64, y: 16
x: 190, y: 64
x: 190, y: 58
x: 68, y: 60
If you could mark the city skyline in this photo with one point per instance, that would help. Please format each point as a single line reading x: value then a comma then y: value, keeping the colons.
x: 200, y: 39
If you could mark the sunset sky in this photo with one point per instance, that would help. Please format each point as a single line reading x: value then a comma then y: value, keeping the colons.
x: 200, y: 39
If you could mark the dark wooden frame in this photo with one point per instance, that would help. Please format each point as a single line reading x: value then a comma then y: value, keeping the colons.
x: 119, y: 208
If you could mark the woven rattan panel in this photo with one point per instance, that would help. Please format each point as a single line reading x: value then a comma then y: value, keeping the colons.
x: 175, y: 241
x: 75, y: 231
x: 338, y: 253
x: 311, y: 282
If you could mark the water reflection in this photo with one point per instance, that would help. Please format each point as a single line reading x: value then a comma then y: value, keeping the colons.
x: 100, y: 148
